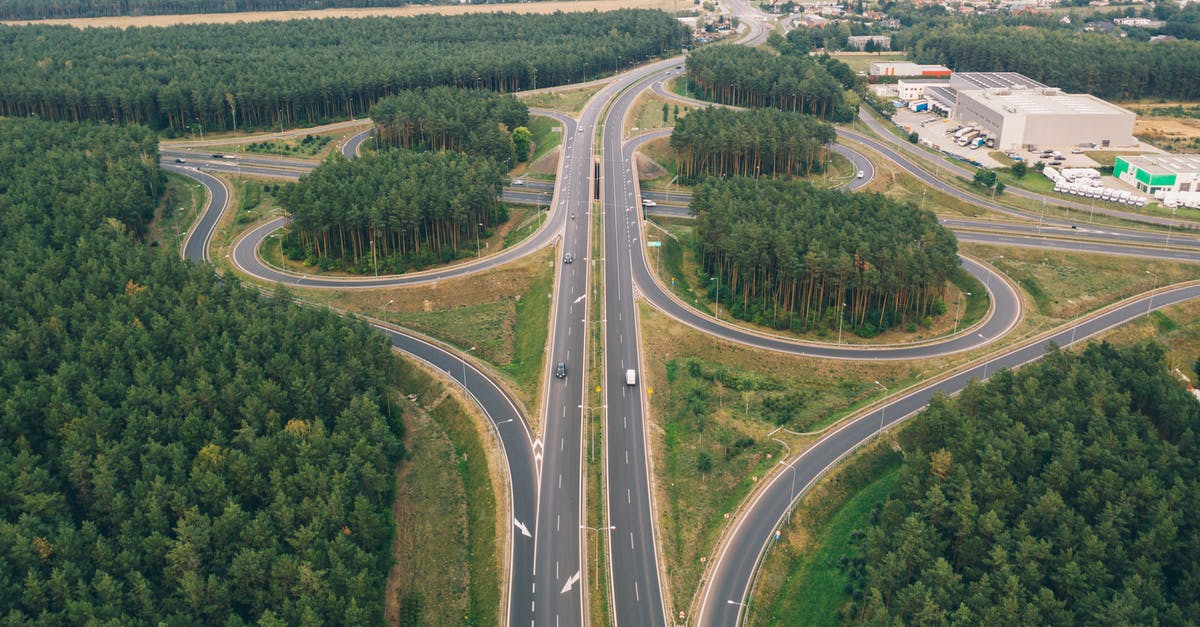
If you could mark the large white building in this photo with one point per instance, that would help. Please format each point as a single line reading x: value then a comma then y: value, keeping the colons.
x: 904, y: 68
x: 1017, y: 111
x: 1160, y: 173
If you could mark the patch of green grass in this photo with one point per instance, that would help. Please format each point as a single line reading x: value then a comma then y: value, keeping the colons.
x: 547, y: 134
x: 307, y: 146
x: 530, y: 331
x: 860, y: 62
x: 814, y: 584
x: 528, y: 226
x: 466, y: 327
x: 473, y: 469
x: 451, y: 501
x: 564, y: 100
x: 178, y: 209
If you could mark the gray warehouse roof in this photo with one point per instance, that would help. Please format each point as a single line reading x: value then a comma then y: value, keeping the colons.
x: 996, y: 80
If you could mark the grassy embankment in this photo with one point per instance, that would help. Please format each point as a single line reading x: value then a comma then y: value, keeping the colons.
x: 178, y: 209
x: 446, y: 546
x: 565, y: 100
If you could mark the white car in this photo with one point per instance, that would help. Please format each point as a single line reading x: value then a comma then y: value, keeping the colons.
x: 646, y: 202
x: 861, y: 174
x: 518, y: 182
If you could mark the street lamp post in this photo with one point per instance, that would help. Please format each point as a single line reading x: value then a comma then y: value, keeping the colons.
x: 882, y: 410
x: 478, y: 225
x: 958, y: 316
x: 841, y: 317
x: 1150, y: 303
x: 987, y: 281
x: 464, y: 366
x: 718, y: 299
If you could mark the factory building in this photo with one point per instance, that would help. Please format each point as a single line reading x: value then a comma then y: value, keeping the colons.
x: 908, y: 70
x: 1160, y: 173
x: 1017, y: 111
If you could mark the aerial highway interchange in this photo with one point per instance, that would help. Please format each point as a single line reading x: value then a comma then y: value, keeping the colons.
x: 547, y: 580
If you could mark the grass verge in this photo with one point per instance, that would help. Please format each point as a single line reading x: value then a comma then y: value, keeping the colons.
x: 547, y: 135
x: 717, y: 409
x: 563, y: 100
x: 178, y: 209
x: 596, y: 543
x: 801, y: 580
x: 647, y: 114
x: 447, y: 568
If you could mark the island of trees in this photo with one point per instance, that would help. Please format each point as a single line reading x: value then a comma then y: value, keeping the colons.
x: 175, y: 448
x: 197, y: 78
x: 393, y: 211
x: 760, y: 142
x: 449, y: 118
x: 791, y: 255
x: 1067, y: 493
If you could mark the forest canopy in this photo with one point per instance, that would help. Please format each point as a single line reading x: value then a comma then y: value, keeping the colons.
x: 1065, y: 493
x: 451, y: 118
x: 749, y: 77
x: 791, y: 255
x: 45, y: 9
x: 174, y: 448
x: 1091, y: 63
x: 393, y: 210
x: 227, y: 76
x: 716, y: 141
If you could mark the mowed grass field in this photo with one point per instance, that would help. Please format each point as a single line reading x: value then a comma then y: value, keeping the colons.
x: 582, y: 6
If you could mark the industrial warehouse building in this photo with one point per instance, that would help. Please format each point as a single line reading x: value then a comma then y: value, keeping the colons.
x: 908, y: 69
x: 1160, y: 173
x: 1017, y: 111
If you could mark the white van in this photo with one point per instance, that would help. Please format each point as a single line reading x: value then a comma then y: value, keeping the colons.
x: 631, y: 377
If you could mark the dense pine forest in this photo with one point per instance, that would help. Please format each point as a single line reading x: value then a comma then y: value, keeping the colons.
x: 174, y: 448
x: 749, y: 77
x: 759, y: 142
x: 44, y: 9
x: 451, y: 118
x: 229, y: 76
x: 790, y: 255
x: 393, y: 211
x: 1077, y: 62
x: 1065, y: 494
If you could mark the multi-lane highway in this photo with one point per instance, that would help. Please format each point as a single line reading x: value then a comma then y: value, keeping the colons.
x: 547, y: 574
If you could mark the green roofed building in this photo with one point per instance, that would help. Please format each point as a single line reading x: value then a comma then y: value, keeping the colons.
x: 1160, y: 173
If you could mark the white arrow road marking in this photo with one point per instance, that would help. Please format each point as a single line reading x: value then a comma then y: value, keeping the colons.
x: 579, y: 299
x: 570, y: 582
x: 537, y: 451
x: 523, y: 528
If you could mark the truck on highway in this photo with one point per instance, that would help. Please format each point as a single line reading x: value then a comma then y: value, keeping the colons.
x: 631, y: 377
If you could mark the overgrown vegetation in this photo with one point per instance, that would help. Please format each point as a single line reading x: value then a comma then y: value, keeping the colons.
x: 261, y: 74
x: 175, y: 448
x: 1063, y: 493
